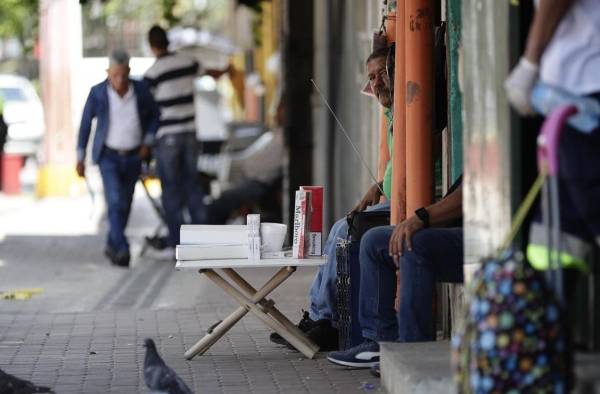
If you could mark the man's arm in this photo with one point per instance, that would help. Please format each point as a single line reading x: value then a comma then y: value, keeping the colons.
x: 371, y: 197
x: 216, y: 74
x: 545, y: 21
x: 154, y: 119
x: 444, y: 211
x: 447, y: 209
x: 522, y: 78
x: 152, y: 125
x: 85, y: 128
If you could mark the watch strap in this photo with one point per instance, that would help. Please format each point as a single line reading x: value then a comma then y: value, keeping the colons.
x: 423, y: 215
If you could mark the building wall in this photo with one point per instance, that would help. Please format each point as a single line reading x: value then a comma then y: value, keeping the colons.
x: 343, y: 31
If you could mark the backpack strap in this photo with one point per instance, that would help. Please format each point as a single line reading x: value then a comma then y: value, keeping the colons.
x: 524, y: 208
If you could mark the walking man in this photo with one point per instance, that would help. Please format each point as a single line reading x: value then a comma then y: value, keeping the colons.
x: 171, y: 79
x: 126, y: 120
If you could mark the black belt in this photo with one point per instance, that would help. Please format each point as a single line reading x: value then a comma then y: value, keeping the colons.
x: 123, y: 152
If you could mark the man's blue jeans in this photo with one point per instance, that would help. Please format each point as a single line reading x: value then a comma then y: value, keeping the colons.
x: 436, y: 256
x: 176, y: 159
x: 119, y: 176
x: 322, y: 293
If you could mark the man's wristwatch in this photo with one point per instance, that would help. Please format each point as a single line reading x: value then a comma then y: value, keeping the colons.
x: 423, y: 215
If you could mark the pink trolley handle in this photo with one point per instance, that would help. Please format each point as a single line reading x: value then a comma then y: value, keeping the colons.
x: 549, y: 137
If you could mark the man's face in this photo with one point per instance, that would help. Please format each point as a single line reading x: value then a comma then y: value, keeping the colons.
x: 380, y: 82
x: 118, y: 76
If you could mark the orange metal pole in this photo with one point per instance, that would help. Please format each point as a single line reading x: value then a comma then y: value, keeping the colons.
x: 398, y: 208
x: 419, y: 102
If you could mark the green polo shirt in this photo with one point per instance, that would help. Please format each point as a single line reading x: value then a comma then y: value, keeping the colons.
x: 387, y: 175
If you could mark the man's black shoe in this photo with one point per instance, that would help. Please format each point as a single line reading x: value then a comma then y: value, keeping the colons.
x: 122, y: 259
x: 305, y: 325
x: 157, y: 242
x: 110, y: 254
x: 323, y: 334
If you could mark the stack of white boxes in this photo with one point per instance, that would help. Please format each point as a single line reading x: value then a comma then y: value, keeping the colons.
x: 215, y: 242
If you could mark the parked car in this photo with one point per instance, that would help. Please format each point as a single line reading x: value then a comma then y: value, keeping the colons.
x: 24, y: 115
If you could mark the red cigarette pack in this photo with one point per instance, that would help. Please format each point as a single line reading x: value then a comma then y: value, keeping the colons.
x: 315, y: 236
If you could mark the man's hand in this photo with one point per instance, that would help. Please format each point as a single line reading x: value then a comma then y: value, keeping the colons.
x: 371, y: 198
x: 404, y: 232
x: 519, y: 84
x: 144, y: 152
x: 80, y: 168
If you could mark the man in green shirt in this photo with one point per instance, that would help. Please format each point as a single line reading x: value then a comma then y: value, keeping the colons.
x: 316, y: 322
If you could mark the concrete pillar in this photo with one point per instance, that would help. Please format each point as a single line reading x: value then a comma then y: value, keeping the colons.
x: 486, y: 127
x: 61, y: 49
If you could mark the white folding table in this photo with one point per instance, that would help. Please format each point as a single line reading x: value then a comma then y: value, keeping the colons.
x: 250, y: 299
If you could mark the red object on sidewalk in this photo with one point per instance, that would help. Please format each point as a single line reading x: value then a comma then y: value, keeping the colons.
x: 11, y: 167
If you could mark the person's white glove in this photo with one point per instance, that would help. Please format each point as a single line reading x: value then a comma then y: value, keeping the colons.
x: 519, y: 84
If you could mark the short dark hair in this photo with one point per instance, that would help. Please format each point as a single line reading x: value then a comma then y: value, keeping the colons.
x: 157, y: 37
x: 380, y: 52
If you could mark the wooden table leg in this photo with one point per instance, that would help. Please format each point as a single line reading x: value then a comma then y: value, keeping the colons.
x: 268, y: 305
x: 289, y: 335
x: 209, y: 339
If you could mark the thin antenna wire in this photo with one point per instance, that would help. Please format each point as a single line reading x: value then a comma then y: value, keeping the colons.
x: 348, y: 137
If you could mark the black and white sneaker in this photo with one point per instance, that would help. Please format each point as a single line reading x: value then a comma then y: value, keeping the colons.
x: 304, y: 325
x: 365, y: 355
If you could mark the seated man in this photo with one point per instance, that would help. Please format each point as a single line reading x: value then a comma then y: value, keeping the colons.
x: 426, y: 250
x: 317, y: 322
x: 259, y: 166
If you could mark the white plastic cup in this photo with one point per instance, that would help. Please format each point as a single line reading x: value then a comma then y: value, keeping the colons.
x: 273, y: 235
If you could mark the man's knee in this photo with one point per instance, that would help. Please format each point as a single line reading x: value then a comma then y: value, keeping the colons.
x: 422, y: 243
x: 375, y: 242
x: 113, y: 198
x: 340, y: 229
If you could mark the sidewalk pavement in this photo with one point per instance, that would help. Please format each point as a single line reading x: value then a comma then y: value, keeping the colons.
x: 84, y: 332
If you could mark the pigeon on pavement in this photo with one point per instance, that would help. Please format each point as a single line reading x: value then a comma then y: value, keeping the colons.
x: 159, y: 377
x: 10, y: 384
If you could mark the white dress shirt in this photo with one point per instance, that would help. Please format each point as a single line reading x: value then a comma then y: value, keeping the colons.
x: 572, y: 59
x: 124, y: 128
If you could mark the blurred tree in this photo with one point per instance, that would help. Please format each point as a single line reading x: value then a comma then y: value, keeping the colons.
x: 111, y: 23
x: 20, y: 20
x: 167, y: 12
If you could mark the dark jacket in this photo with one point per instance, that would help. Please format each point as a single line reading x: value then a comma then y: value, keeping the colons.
x: 96, y: 106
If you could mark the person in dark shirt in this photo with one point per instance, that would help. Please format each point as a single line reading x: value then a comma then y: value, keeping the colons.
x: 427, y: 248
